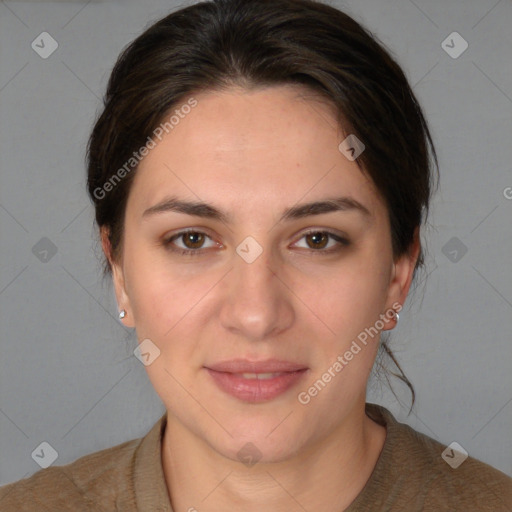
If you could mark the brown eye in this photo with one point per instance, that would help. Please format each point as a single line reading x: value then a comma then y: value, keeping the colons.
x: 193, y: 239
x: 319, y: 239
x: 191, y: 243
x: 188, y: 243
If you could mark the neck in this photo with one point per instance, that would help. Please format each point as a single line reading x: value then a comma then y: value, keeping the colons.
x: 331, y: 471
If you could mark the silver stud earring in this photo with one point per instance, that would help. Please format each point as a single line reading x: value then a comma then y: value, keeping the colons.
x: 122, y: 314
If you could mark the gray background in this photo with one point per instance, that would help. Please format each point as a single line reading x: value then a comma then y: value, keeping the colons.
x: 68, y: 375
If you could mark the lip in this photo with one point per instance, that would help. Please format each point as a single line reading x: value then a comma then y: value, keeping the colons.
x: 227, y: 375
x: 247, y: 366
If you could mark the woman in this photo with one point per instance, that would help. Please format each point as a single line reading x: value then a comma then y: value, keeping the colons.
x: 260, y: 174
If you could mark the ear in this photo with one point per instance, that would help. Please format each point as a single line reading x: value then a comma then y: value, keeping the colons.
x: 401, y: 279
x: 122, y: 298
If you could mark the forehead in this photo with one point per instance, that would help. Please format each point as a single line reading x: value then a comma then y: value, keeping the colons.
x: 249, y: 150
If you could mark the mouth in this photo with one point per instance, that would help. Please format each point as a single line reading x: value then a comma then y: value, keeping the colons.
x: 256, y: 381
x: 260, y: 376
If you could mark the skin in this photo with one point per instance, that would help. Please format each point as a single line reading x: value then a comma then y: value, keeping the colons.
x: 253, y: 154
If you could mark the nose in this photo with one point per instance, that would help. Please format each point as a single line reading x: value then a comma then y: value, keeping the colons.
x: 257, y: 302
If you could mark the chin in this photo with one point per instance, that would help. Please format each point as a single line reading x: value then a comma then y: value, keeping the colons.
x: 263, y: 440
x: 258, y: 450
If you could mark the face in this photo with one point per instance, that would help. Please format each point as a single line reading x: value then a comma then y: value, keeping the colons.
x: 260, y: 286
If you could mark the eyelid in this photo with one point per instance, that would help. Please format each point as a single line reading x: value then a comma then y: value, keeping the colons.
x: 340, y: 238
x: 168, y: 240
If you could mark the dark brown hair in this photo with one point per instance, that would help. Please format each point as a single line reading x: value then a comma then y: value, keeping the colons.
x: 219, y: 44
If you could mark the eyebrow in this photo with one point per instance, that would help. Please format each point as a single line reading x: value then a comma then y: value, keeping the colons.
x: 205, y: 210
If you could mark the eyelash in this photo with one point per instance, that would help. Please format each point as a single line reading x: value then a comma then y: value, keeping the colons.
x: 342, y: 242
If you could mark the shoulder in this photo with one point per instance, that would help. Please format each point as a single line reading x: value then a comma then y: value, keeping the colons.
x: 92, y: 482
x: 433, y: 476
x: 452, y: 480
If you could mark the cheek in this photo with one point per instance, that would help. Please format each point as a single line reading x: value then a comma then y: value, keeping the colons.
x: 346, y: 339
x: 170, y: 301
x: 350, y: 304
x: 160, y: 301
x: 351, y: 297
x: 156, y: 296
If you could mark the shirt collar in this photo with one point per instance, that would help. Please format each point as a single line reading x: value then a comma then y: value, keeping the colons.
x: 148, y: 474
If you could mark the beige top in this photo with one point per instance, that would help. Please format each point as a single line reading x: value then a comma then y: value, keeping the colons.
x: 410, y: 475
